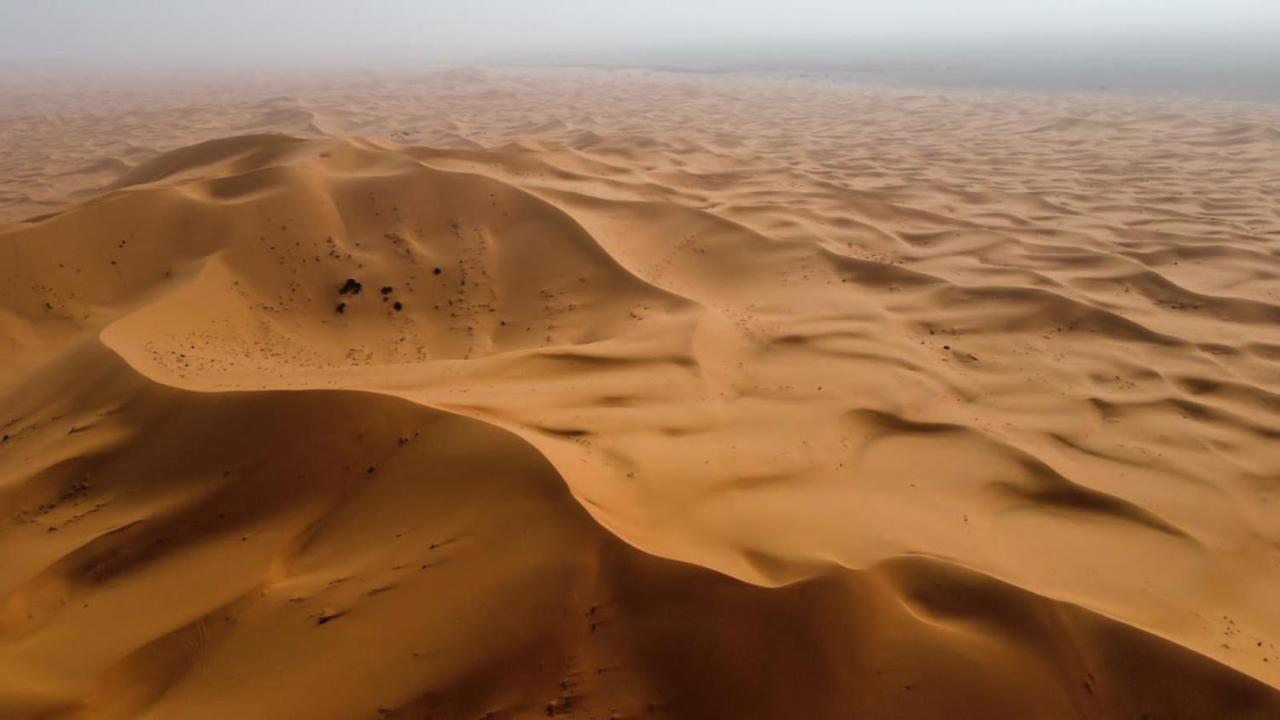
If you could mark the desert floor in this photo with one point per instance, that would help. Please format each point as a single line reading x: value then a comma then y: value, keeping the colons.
x: 516, y: 393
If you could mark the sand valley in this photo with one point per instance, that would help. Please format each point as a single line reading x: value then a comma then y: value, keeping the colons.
x: 491, y: 393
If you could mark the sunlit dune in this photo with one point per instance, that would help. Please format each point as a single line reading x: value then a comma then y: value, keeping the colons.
x: 509, y: 394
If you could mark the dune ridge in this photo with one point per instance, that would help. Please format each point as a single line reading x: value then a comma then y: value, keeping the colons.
x: 680, y: 425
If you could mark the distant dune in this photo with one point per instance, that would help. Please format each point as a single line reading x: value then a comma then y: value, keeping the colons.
x: 498, y: 394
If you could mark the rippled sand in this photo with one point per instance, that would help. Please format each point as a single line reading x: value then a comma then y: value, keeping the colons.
x: 659, y: 396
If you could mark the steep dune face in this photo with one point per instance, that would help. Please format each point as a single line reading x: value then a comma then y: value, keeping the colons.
x: 339, y: 554
x: 595, y: 424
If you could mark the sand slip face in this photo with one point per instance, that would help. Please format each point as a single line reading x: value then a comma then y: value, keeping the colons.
x: 658, y: 396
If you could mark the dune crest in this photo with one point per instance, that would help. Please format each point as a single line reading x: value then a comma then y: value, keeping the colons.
x: 341, y: 427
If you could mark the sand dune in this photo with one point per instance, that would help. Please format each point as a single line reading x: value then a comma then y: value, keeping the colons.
x: 782, y: 400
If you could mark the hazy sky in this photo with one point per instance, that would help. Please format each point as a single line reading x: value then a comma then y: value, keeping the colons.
x: 236, y: 31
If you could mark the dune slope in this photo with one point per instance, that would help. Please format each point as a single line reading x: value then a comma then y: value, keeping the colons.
x: 343, y: 428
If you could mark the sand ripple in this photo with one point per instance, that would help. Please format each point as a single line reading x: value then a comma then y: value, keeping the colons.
x: 864, y: 404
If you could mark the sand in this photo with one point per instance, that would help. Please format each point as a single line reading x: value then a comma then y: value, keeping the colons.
x: 519, y: 393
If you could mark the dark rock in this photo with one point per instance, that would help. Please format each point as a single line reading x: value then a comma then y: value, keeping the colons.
x: 398, y: 306
x: 350, y: 287
x: 329, y: 616
x: 386, y: 290
x: 342, y: 307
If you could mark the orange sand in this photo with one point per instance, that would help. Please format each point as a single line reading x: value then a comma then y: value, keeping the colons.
x: 731, y: 398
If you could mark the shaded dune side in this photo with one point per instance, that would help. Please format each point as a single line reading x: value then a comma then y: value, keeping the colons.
x: 359, y: 555
x: 472, y: 266
x: 420, y: 555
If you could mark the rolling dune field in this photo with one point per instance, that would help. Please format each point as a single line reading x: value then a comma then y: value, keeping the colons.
x: 630, y: 394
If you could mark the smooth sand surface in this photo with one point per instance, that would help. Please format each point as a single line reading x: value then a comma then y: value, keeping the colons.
x: 659, y: 396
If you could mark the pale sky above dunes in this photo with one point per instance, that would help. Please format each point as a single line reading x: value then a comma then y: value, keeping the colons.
x: 191, y: 31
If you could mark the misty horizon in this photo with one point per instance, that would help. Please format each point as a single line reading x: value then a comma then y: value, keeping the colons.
x: 1221, y: 49
x: 185, y: 33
